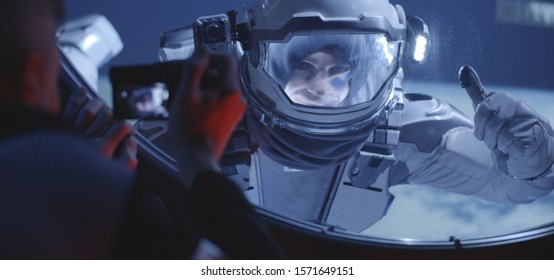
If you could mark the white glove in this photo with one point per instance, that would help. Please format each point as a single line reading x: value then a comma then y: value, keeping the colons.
x: 521, y: 140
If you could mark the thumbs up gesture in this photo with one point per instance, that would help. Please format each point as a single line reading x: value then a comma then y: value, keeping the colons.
x: 520, y: 139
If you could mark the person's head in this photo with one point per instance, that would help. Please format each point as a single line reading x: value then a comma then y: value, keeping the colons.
x: 331, y: 70
x: 321, y: 78
x: 321, y: 72
x: 29, y: 58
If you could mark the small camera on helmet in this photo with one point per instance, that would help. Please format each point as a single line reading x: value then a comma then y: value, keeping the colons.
x: 145, y: 91
x: 214, y: 32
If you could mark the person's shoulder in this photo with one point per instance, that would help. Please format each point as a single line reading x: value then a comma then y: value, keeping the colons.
x: 425, y: 119
x: 54, y: 185
x: 61, y: 151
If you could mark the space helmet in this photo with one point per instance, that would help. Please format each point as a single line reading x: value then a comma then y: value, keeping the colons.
x: 318, y: 74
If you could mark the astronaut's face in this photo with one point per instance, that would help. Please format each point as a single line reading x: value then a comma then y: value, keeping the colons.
x: 319, y: 80
x: 150, y: 99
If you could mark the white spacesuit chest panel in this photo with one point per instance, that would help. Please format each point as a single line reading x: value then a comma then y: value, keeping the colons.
x: 354, y: 208
x: 298, y: 194
x: 350, y: 197
x: 362, y: 197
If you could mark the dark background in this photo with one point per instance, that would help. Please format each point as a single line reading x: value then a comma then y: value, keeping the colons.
x: 462, y: 32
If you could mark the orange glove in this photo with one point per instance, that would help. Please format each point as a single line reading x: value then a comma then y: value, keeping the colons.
x: 207, y: 107
x: 215, y: 120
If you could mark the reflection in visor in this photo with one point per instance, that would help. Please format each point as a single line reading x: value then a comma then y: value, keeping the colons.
x: 331, y: 70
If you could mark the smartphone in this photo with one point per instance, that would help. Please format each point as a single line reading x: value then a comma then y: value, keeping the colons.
x: 144, y: 91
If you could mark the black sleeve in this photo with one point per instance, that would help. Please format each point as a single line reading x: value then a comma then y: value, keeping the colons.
x: 225, y: 217
x: 156, y: 224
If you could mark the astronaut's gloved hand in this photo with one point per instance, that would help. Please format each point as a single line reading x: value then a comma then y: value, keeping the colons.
x: 521, y: 140
x: 208, y: 107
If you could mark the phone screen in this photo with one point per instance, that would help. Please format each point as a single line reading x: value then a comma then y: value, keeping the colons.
x: 150, y: 101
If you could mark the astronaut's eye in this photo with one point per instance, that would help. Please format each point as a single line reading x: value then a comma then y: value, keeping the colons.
x: 304, y: 70
x: 338, y: 69
x: 305, y: 66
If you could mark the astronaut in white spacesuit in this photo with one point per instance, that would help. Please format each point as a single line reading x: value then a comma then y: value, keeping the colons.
x: 335, y: 129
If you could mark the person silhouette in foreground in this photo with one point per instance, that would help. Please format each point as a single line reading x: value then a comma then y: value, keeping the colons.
x: 63, y: 199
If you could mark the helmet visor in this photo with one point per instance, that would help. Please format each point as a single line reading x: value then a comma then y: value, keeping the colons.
x: 331, y: 70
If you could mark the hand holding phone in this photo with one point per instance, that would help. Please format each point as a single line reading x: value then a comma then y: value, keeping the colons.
x: 207, y: 108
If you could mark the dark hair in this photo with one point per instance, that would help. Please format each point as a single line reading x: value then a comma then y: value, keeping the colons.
x: 18, y: 19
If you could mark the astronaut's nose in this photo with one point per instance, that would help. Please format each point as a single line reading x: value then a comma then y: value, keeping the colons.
x: 316, y: 85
